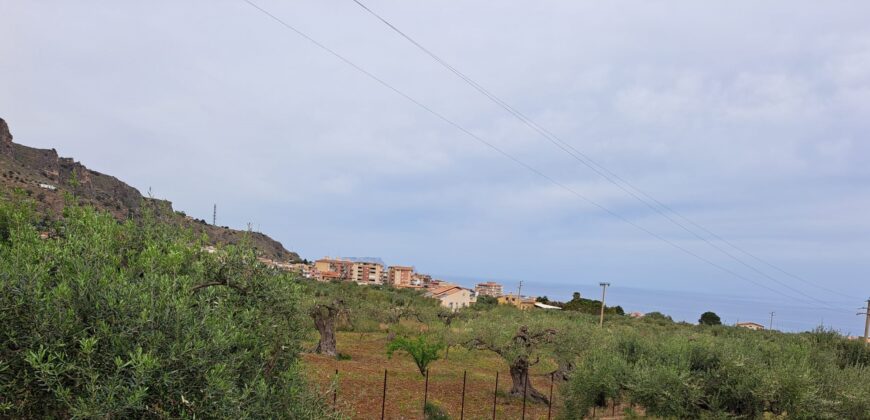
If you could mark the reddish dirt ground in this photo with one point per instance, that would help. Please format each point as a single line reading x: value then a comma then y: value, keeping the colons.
x: 361, y: 380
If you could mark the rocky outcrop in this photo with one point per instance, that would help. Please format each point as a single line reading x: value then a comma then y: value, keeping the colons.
x: 5, y: 139
x: 45, y: 176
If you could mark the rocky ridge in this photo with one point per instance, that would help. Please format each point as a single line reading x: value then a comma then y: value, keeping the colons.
x: 45, y: 176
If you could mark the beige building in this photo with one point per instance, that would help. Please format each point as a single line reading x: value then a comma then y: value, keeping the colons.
x: 751, y: 325
x: 367, y: 273
x: 421, y: 280
x: 516, y: 300
x: 400, y: 276
x: 489, y: 288
x: 326, y: 269
x: 453, y: 297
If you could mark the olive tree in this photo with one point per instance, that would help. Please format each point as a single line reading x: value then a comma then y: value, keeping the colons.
x: 519, y: 340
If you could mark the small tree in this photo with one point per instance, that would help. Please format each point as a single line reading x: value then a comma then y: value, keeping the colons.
x: 486, y: 300
x: 710, y: 318
x: 421, y: 350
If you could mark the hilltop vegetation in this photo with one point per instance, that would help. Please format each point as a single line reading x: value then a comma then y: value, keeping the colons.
x: 47, y: 178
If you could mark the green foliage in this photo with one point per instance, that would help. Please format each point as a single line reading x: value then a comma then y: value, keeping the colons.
x: 434, y: 412
x: 372, y: 307
x: 710, y: 318
x: 588, y: 306
x: 658, y: 317
x: 132, y: 320
x: 672, y: 371
x: 485, y: 301
x: 422, y: 349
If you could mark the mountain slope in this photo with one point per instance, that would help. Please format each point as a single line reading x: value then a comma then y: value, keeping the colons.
x: 45, y: 176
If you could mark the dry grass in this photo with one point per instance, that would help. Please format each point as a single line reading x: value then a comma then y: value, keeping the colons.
x: 360, y: 384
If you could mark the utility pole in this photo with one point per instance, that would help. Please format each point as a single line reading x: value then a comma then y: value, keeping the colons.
x: 520, y: 290
x: 771, y: 320
x: 214, y: 216
x: 603, y: 294
x: 866, y: 313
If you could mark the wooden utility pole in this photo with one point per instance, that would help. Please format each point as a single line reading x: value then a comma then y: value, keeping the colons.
x: 771, y: 320
x: 603, y: 295
x: 866, y: 313
x: 214, y: 216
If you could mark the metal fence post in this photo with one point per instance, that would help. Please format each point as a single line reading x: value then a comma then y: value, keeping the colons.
x: 384, y: 398
x: 525, y: 393
x: 462, y: 406
x: 550, y: 401
x: 426, y: 393
x: 335, y: 393
x: 495, y: 396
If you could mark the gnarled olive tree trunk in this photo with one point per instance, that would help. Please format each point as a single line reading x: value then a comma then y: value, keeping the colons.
x: 520, y: 381
x: 324, y: 320
x: 563, y: 372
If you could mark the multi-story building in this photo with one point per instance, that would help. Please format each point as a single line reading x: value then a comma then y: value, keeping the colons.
x: 489, y: 288
x: 420, y: 280
x: 333, y: 269
x: 400, y: 276
x: 367, y: 273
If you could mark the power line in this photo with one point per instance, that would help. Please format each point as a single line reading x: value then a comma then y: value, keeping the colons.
x: 600, y: 169
x: 508, y: 155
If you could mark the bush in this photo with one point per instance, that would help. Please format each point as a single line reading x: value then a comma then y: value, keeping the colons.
x: 434, y: 412
x: 703, y: 372
x: 132, y: 320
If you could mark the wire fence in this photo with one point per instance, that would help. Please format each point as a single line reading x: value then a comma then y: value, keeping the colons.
x: 336, y: 391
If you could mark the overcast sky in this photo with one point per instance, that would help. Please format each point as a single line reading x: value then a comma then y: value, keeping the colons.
x: 749, y: 118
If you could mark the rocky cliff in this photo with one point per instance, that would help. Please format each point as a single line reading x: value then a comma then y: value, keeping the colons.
x: 45, y: 176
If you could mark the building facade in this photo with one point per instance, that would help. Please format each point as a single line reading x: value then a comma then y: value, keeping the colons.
x: 489, y: 288
x: 367, y: 273
x: 453, y: 297
x: 516, y: 300
x: 327, y: 269
x: 400, y: 276
x: 751, y: 326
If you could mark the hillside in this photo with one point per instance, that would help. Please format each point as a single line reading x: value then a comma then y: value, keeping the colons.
x: 45, y: 176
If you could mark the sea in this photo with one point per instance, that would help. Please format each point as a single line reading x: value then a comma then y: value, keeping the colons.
x: 687, y: 306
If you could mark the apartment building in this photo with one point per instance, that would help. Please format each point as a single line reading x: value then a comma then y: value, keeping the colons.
x: 367, y: 273
x: 421, y: 280
x: 400, y: 276
x: 489, y: 288
x: 327, y: 269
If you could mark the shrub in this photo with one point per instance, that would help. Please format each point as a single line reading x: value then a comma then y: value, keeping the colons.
x: 421, y: 349
x: 133, y: 320
x: 434, y: 412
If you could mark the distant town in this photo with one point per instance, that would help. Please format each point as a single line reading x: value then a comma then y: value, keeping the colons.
x: 372, y: 271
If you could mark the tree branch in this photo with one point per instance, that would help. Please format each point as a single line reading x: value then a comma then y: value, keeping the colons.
x: 239, y: 289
